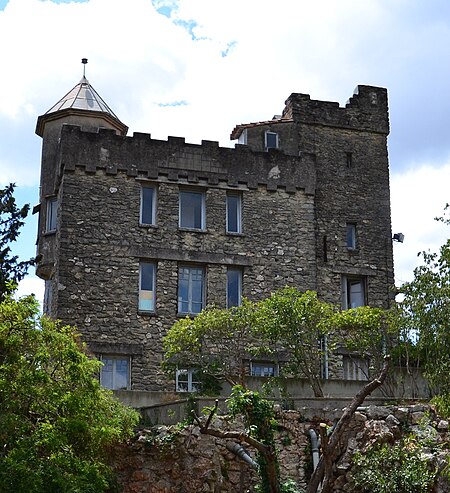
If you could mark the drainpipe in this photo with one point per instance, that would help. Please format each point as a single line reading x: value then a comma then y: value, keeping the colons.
x: 241, y: 453
x: 325, y: 358
x: 314, y: 447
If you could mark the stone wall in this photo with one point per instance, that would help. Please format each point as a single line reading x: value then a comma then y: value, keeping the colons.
x: 161, y: 461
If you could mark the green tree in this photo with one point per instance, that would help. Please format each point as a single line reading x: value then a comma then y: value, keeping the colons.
x: 56, y: 422
x: 11, y: 220
x: 297, y: 323
x: 216, y: 341
x: 426, y: 313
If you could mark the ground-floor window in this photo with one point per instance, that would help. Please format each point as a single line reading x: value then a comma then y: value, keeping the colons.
x: 355, y: 367
x: 115, y: 372
x: 263, y: 369
x: 187, y: 380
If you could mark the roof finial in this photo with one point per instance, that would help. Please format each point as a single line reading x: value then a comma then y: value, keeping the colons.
x: 84, y: 62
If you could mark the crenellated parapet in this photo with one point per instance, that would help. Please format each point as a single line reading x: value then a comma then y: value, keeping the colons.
x: 175, y: 160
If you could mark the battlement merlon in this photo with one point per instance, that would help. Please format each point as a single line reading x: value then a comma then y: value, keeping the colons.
x: 366, y: 110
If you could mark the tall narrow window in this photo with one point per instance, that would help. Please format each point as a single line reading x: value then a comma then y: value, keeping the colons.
x: 191, y: 290
x: 148, y: 205
x: 353, y: 292
x: 349, y: 157
x: 234, y: 213
x: 50, y: 222
x: 115, y: 372
x: 234, y: 287
x: 351, y: 236
x: 271, y: 140
x: 192, y: 210
x: 147, y: 287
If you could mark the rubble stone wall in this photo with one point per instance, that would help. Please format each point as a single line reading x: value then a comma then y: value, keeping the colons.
x: 166, y: 460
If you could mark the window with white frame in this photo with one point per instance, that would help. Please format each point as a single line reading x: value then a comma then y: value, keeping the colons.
x: 234, y: 213
x: 192, y: 210
x: 355, y: 367
x: 234, y: 287
x: 263, y: 369
x: 187, y: 380
x: 191, y: 289
x: 271, y: 140
x: 351, y: 236
x: 147, y: 277
x: 51, y: 211
x: 148, y: 205
x: 115, y: 372
x: 353, y: 292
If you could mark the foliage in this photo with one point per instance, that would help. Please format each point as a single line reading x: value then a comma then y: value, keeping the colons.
x: 215, y: 341
x: 56, y: 422
x: 296, y: 323
x: 371, y: 331
x: 289, y: 322
x: 11, y: 220
x: 260, y: 423
x: 426, y: 313
x: 398, y: 468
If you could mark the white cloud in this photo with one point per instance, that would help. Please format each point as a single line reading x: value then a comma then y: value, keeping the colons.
x: 418, y: 196
x: 31, y: 285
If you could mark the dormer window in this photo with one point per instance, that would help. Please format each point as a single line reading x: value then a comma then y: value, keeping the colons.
x: 271, y: 140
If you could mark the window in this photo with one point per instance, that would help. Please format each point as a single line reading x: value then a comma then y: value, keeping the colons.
x: 234, y: 213
x: 271, y: 140
x: 263, y: 369
x: 234, y: 287
x: 191, y: 289
x: 50, y: 223
x: 351, y: 236
x: 148, y: 205
x: 243, y: 137
x: 353, y: 292
x: 115, y: 372
x: 187, y: 380
x: 192, y: 210
x: 355, y: 368
x: 147, y: 287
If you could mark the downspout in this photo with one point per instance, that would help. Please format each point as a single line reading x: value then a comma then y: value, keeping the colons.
x: 314, y: 447
x: 238, y: 450
x: 325, y: 357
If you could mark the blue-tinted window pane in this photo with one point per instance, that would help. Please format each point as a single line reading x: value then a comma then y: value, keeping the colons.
x: 233, y: 213
x: 351, y: 235
x: 234, y: 287
x: 191, y: 210
x: 147, y: 287
x: 190, y: 290
x: 271, y: 140
x: 147, y: 205
x: 115, y: 373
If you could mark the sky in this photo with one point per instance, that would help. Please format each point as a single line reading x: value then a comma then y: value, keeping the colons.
x: 196, y: 68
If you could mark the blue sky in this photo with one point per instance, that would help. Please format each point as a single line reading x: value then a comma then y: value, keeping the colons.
x: 196, y: 68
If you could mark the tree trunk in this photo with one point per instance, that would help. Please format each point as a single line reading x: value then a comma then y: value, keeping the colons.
x: 330, y: 450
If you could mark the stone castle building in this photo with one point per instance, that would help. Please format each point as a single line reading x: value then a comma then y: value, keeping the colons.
x: 135, y: 232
